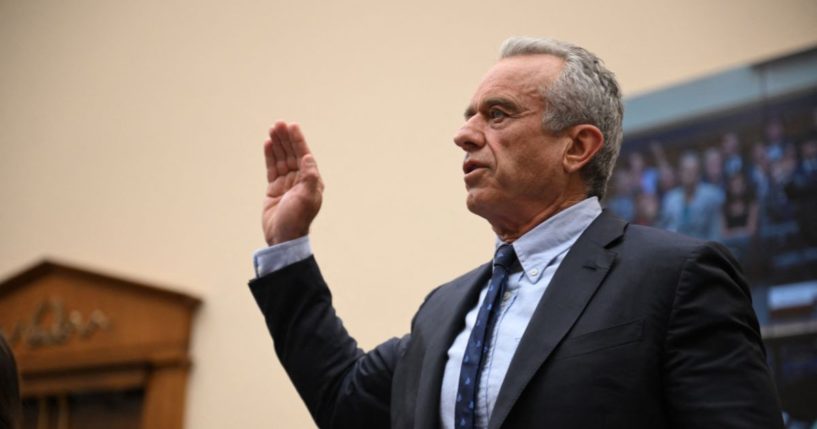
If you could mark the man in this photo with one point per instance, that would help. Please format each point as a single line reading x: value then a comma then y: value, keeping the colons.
x: 694, y: 207
x: 582, y: 322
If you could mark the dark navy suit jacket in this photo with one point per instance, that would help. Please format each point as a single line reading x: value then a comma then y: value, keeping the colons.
x: 639, y: 328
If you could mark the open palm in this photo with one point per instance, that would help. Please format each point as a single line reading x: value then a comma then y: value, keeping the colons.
x: 294, y: 186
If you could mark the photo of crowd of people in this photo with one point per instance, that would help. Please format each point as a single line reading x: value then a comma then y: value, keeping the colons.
x: 747, y: 181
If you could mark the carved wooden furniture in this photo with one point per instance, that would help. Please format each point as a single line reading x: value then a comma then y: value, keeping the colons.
x: 97, y: 351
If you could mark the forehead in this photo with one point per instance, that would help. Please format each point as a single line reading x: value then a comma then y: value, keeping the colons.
x: 689, y: 162
x: 517, y: 77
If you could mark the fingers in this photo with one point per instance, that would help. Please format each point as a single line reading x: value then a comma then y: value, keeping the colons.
x: 308, y: 167
x: 271, y: 157
x: 291, y: 160
x: 291, y: 157
x: 285, y: 150
x: 291, y: 170
x: 277, y: 152
x: 299, y: 146
x: 279, y: 155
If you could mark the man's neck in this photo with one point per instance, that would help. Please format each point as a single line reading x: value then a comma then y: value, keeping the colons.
x: 508, y: 230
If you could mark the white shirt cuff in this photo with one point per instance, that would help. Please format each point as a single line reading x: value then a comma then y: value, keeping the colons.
x: 281, y: 255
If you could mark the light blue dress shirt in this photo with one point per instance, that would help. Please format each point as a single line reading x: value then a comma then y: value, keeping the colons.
x: 540, y: 251
x: 275, y: 257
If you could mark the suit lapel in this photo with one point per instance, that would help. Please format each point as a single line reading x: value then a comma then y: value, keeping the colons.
x: 572, y: 287
x: 450, y: 304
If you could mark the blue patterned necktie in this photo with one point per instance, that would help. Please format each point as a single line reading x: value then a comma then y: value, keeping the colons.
x: 474, y: 356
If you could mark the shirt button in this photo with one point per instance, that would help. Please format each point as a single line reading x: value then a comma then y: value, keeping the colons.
x: 506, y: 296
x: 533, y: 272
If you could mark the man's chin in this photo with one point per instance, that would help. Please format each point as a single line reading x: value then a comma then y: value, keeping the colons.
x: 475, y: 204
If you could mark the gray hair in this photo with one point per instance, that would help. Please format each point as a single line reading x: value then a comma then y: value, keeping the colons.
x: 584, y: 93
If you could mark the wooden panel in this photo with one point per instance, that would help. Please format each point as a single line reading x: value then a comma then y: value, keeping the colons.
x: 95, y: 410
x: 85, y: 342
x: 76, y: 314
x: 55, y: 360
x: 120, y: 410
x: 102, y: 379
x: 164, y: 398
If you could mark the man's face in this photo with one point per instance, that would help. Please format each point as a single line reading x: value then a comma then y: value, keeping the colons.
x: 512, y: 166
x: 731, y: 144
x: 714, y: 165
x: 689, y: 172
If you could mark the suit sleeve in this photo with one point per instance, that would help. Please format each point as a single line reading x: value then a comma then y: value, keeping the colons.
x: 715, y: 368
x: 342, y: 386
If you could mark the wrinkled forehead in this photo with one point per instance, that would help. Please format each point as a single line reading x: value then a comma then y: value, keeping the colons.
x: 519, y: 76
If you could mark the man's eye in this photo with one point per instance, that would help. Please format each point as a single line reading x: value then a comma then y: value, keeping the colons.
x: 496, y: 115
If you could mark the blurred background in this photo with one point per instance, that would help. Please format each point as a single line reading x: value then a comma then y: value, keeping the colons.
x: 131, y: 145
x: 732, y: 157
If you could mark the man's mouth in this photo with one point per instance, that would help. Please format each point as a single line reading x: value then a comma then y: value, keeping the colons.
x: 469, y: 166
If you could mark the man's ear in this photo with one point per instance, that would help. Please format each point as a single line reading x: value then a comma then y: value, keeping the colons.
x: 586, y: 141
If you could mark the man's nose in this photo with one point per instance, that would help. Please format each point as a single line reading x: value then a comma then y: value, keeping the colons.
x: 469, y: 137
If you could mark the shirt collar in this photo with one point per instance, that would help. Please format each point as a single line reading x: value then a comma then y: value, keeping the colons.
x: 540, y: 246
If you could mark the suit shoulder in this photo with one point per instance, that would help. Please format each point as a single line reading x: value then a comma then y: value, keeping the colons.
x: 660, y: 242
x: 658, y: 248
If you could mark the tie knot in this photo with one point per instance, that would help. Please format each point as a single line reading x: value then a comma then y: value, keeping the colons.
x: 505, y: 256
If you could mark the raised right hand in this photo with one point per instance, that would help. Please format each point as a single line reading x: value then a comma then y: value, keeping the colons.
x: 294, y: 185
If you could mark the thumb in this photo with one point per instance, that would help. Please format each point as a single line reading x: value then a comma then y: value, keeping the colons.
x: 309, y: 170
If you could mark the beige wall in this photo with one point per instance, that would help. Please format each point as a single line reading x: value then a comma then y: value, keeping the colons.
x: 130, y: 141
